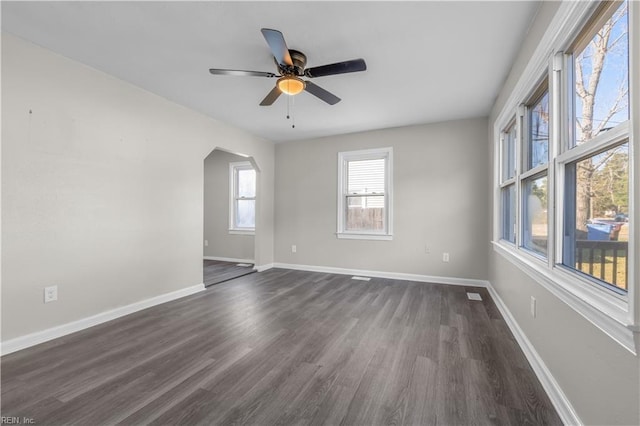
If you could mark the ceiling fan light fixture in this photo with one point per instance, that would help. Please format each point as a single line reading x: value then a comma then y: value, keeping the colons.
x: 290, y: 85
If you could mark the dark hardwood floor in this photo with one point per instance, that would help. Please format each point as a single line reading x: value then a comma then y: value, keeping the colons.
x: 216, y: 271
x: 287, y: 347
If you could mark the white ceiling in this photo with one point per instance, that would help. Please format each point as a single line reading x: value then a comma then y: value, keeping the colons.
x: 427, y: 61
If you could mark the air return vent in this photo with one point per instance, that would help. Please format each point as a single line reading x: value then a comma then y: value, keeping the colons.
x: 474, y: 296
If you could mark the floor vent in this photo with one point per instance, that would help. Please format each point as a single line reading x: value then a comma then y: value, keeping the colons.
x: 474, y: 296
x: 355, y: 277
x: 245, y: 265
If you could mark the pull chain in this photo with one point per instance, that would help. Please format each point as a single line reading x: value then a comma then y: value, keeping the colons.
x: 290, y: 111
x: 288, y: 105
x: 29, y: 129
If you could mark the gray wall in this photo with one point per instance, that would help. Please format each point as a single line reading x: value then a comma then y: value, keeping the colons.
x: 216, y: 210
x: 439, y: 201
x: 600, y: 377
x: 102, y: 190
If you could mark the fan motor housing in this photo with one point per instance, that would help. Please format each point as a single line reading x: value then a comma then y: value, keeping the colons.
x: 299, y: 60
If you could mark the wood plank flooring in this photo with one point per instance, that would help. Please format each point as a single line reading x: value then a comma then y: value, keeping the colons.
x: 216, y: 271
x: 286, y: 347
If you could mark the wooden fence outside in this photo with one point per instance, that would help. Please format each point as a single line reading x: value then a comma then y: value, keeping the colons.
x: 365, y: 219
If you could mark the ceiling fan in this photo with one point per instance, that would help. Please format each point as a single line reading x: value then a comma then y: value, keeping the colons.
x: 291, y: 67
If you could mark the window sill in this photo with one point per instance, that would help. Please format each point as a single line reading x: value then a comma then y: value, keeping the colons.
x: 610, y: 314
x: 356, y: 236
x: 242, y: 232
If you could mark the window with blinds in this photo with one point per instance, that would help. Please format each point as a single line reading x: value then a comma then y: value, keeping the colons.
x: 364, y: 187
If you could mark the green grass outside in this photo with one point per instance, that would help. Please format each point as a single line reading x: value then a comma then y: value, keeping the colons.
x: 621, y: 270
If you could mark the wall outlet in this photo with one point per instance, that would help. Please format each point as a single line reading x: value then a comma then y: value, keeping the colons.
x: 445, y: 257
x: 426, y: 250
x: 294, y: 248
x: 50, y: 294
x: 533, y: 306
x: 206, y: 243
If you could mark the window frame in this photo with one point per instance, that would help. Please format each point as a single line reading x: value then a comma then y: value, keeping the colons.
x: 613, y: 138
x: 534, y: 99
x: 234, y: 168
x: 543, y: 85
x: 617, y: 315
x: 509, y: 181
x: 367, y: 154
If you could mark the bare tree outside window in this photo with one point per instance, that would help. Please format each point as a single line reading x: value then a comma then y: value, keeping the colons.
x: 538, y: 143
x: 597, y: 196
x: 601, y: 101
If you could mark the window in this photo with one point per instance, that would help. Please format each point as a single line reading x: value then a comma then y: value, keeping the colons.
x: 364, y: 189
x: 509, y: 152
x: 563, y: 201
x: 595, y: 223
x: 600, y: 65
x: 535, y: 228
x: 242, y: 190
x: 534, y: 212
x: 509, y: 213
x: 596, y: 176
x: 508, y: 185
x: 538, y: 134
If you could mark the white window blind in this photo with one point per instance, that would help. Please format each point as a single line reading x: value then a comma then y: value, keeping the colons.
x: 366, y: 176
x: 364, y: 185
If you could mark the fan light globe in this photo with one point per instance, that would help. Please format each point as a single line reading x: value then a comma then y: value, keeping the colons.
x: 290, y: 85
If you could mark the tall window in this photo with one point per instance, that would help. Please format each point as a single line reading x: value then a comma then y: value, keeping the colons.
x: 563, y: 186
x: 508, y: 182
x: 242, y: 190
x: 563, y: 205
x: 364, y: 188
x: 535, y: 228
x: 596, y: 175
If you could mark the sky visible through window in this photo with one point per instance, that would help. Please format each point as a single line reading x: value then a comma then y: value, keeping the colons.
x: 602, y: 78
x: 539, y: 133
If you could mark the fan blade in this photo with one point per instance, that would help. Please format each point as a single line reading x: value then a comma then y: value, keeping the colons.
x: 241, y: 73
x: 271, y: 97
x: 278, y: 47
x: 353, y: 65
x: 319, y: 92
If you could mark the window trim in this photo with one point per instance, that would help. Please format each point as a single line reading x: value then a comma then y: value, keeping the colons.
x: 511, y: 124
x: 365, y: 154
x: 608, y: 317
x: 617, y: 317
x: 543, y: 85
x: 234, y: 167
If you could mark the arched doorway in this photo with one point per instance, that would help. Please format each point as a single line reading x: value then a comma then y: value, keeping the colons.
x: 230, y: 196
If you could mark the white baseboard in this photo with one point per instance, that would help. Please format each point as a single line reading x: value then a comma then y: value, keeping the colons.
x: 38, y: 337
x: 264, y: 267
x: 228, y: 259
x: 559, y: 400
x: 381, y: 274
